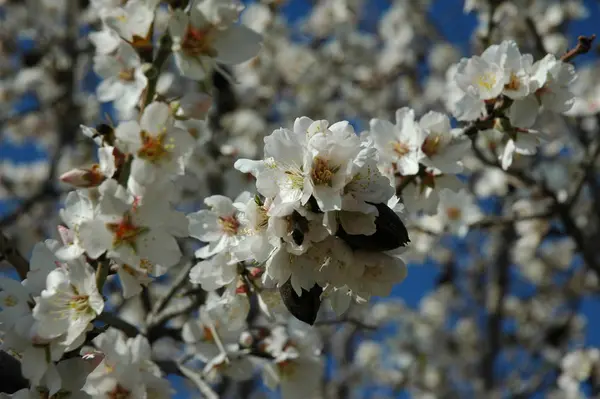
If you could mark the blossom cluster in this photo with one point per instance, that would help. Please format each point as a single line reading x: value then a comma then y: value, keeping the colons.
x: 319, y: 186
x: 509, y: 87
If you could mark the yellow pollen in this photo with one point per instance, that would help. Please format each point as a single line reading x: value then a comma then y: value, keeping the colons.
x: 81, y: 305
x: 322, y: 173
x: 230, y: 225
x: 400, y: 148
x: 10, y: 301
x: 514, y: 84
x: 296, y: 179
x: 127, y: 75
x: 155, y: 148
x: 263, y: 219
x: 487, y: 81
x: 431, y: 145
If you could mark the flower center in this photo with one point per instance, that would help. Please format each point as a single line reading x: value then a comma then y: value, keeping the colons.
x: 322, y: 173
x: 127, y: 75
x: 10, y: 301
x: 486, y: 81
x: 125, y: 232
x: 296, y: 179
x: 514, y: 84
x: 229, y: 224
x: 119, y: 393
x: 198, y: 41
x: 80, y: 304
x: 453, y: 213
x: 431, y: 145
x: 400, y: 148
x: 262, y: 219
x: 154, y: 148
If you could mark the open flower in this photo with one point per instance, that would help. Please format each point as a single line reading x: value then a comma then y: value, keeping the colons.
x: 443, y: 148
x: 199, y: 44
x: 219, y: 226
x: 458, y: 211
x: 69, y: 303
x: 399, y: 143
x: 328, y: 163
x: 126, y: 369
x: 123, y: 79
x: 131, y: 230
x: 159, y: 148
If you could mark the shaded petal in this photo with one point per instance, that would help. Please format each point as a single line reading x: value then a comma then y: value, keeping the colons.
x: 237, y: 44
x: 159, y: 248
x: 155, y: 117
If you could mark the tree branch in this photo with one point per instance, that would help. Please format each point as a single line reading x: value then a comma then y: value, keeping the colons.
x: 10, y: 253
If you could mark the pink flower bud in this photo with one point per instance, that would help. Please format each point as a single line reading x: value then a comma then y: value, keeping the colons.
x: 255, y: 272
x: 83, y: 178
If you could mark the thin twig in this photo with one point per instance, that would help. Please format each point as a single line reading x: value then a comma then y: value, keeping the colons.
x: 197, y: 379
x: 102, y: 269
x: 539, y: 41
x: 179, y: 282
x: 588, y: 169
x: 494, y: 325
x: 164, y: 50
x: 584, y: 45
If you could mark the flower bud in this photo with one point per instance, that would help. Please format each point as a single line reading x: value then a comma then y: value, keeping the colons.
x: 83, y: 178
x: 255, y: 272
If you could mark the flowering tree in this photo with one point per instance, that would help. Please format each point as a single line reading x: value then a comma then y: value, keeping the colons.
x: 222, y: 220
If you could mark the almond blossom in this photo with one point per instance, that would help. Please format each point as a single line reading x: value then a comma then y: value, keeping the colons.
x: 198, y: 43
x: 123, y: 79
x: 399, y: 143
x: 131, y: 230
x: 158, y: 147
x: 219, y: 225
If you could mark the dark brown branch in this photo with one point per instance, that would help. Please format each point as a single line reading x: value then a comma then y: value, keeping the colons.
x: 11, y: 254
x: 539, y: 41
x: 584, y: 45
x: 116, y: 322
x: 178, y: 283
x: 494, y: 325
